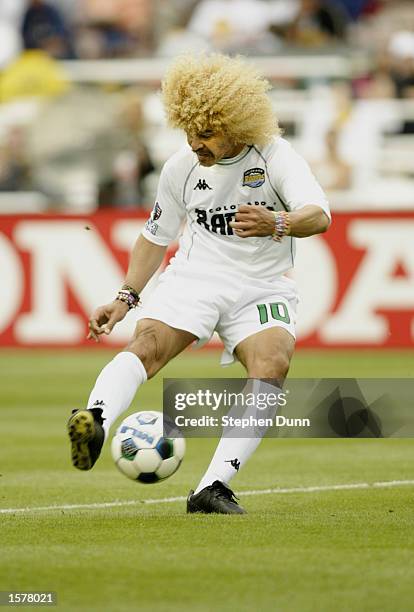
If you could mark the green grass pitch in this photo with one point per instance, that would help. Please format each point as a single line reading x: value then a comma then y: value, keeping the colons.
x: 344, y: 549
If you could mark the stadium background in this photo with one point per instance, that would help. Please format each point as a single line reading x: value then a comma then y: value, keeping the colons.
x: 82, y: 142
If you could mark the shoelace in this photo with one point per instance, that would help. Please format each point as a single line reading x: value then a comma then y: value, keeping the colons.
x: 221, y: 491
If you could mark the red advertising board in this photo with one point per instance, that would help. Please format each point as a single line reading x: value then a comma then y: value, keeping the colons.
x: 356, y: 281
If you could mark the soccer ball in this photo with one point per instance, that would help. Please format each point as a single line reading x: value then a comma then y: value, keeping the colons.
x: 140, y: 450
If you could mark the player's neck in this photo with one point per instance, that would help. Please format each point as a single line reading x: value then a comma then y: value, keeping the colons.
x: 238, y: 148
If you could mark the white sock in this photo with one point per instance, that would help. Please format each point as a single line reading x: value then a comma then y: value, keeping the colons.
x: 232, y: 453
x: 116, y: 386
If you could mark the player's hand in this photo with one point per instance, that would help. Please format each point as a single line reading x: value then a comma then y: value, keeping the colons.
x: 253, y: 221
x: 105, y: 318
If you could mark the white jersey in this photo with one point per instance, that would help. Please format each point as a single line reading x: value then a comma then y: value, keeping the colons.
x: 274, y: 177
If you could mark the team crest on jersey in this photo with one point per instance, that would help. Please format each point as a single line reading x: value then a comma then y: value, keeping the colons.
x: 157, y: 212
x: 255, y: 177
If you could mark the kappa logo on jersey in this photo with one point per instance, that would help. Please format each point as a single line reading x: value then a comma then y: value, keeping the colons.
x: 157, y: 212
x: 152, y: 227
x: 255, y: 177
x: 202, y: 185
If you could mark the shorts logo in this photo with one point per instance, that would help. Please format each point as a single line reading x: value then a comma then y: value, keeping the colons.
x: 151, y: 226
x: 255, y: 177
x: 157, y: 212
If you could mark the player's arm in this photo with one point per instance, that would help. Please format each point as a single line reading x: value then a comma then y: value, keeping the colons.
x: 160, y: 230
x: 308, y: 221
x: 257, y: 221
x: 146, y: 258
x: 306, y: 207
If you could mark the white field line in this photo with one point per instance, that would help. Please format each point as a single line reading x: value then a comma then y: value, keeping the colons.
x: 169, y: 500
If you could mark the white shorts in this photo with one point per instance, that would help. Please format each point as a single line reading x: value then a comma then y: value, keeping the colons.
x: 211, y: 300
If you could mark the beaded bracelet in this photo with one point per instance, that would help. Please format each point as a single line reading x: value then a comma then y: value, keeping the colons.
x: 129, y: 296
x: 282, y: 225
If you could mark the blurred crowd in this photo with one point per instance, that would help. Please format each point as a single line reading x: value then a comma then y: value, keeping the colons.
x: 87, y: 145
x: 92, y: 29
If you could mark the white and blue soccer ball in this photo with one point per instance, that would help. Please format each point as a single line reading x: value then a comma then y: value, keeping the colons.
x: 141, y: 451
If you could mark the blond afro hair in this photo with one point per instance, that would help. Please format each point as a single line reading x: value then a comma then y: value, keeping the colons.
x: 222, y: 94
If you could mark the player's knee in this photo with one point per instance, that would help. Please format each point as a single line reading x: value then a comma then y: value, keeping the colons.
x: 275, y: 365
x: 146, y: 346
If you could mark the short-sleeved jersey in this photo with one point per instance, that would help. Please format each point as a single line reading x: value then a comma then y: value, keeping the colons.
x: 274, y: 177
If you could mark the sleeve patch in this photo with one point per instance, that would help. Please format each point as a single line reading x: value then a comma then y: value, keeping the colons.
x: 151, y: 227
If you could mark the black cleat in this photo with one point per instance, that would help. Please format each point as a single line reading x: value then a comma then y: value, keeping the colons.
x: 216, y: 498
x: 86, y: 437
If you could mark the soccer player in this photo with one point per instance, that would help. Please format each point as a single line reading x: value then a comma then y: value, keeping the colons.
x: 245, y: 195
